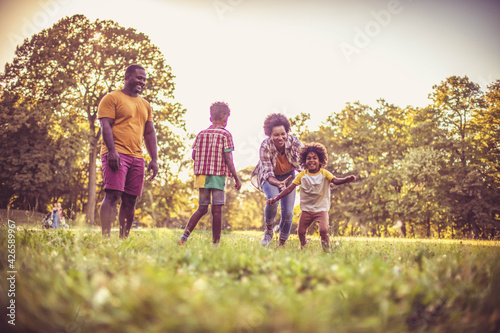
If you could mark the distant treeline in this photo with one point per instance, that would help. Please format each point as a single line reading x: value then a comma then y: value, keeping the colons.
x: 429, y: 172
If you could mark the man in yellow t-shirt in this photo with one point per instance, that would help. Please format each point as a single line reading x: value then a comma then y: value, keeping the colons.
x: 126, y: 118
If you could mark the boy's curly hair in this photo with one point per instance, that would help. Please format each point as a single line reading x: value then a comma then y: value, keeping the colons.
x: 219, y: 110
x: 317, y: 148
x: 276, y: 119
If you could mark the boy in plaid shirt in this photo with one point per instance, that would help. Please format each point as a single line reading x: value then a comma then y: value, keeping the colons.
x: 213, y: 161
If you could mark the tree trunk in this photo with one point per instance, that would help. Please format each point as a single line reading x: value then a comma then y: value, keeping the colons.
x: 92, y: 186
x: 91, y: 202
x: 412, y: 230
x: 428, y: 226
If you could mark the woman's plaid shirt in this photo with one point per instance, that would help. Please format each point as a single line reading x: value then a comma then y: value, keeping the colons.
x: 209, y: 147
x: 267, y: 161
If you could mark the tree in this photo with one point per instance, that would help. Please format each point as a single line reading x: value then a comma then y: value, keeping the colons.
x: 35, y: 150
x: 467, y: 178
x: 69, y: 67
x: 365, y: 142
x: 418, y: 198
x: 299, y: 125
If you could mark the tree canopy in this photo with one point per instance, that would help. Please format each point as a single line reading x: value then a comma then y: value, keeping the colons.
x: 51, y: 92
x: 424, y: 171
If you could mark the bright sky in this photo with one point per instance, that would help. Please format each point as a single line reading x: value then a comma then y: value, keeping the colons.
x: 291, y: 56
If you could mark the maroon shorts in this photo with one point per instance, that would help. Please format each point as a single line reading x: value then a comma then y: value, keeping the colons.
x: 129, y: 177
x: 307, y: 218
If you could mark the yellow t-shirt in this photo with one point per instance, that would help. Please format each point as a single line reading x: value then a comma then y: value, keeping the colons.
x: 314, y: 190
x: 130, y: 115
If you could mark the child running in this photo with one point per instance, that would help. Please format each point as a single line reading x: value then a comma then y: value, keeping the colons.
x: 315, y: 192
x: 213, y: 161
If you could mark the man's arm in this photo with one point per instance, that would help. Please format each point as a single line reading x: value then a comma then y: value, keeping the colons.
x: 107, y: 136
x: 150, y: 141
x: 228, y: 159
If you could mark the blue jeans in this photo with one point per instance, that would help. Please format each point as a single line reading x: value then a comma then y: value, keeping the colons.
x: 55, y: 220
x: 287, y: 204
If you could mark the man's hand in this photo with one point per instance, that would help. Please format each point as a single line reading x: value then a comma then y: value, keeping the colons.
x: 152, y: 166
x: 114, y: 161
x: 237, y: 184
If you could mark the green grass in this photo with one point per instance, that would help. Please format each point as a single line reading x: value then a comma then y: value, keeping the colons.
x: 77, y: 281
x: 21, y: 216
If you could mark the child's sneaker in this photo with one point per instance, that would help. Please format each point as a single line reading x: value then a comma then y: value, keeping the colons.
x: 182, y: 240
x: 267, y: 238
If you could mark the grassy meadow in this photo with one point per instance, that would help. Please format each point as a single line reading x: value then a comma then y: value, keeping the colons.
x: 77, y: 281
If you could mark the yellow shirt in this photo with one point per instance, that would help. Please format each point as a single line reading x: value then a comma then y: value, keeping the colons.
x: 130, y: 115
x: 314, y: 190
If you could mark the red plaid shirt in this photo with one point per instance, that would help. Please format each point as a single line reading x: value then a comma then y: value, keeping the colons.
x: 209, y: 147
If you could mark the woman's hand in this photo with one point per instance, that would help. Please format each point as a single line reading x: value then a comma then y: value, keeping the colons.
x: 282, y: 184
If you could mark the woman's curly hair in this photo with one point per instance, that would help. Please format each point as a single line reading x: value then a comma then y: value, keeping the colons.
x: 314, y: 147
x: 276, y: 119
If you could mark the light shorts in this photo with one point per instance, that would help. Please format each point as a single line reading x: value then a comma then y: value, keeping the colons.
x: 128, y: 179
x: 218, y: 197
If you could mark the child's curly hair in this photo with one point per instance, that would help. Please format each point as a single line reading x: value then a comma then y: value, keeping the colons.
x: 219, y: 110
x: 314, y: 147
x: 276, y: 119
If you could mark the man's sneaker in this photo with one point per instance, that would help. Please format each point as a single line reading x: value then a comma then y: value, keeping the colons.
x: 268, y: 237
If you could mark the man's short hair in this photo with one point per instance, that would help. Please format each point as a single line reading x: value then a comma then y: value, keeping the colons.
x: 131, y: 69
x: 219, y: 110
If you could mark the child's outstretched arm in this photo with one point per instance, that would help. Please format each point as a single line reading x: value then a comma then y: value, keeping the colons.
x: 228, y: 159
x: 285, y: 192
x: 340, y: 181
